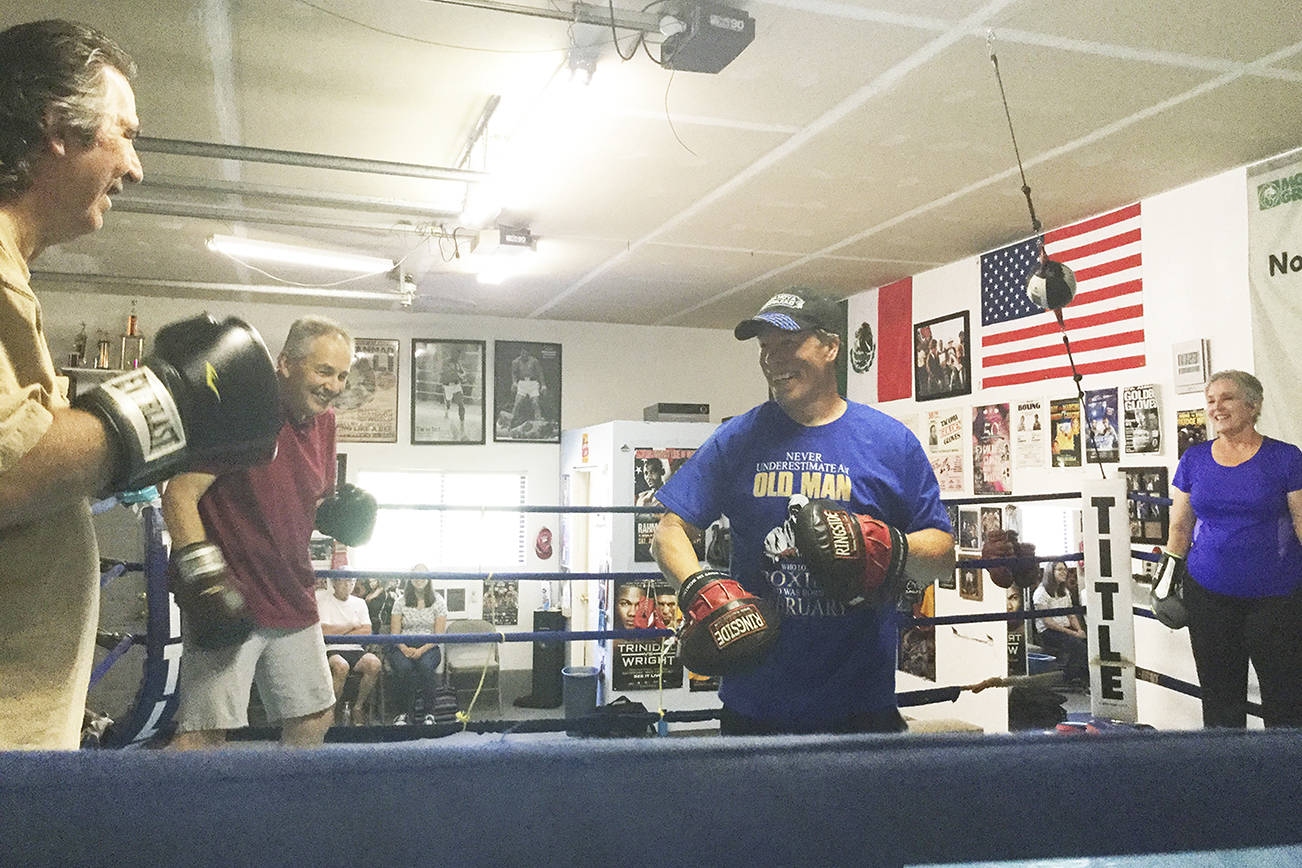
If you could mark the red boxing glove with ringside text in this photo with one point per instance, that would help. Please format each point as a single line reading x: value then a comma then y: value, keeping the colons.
x: 725, y: 629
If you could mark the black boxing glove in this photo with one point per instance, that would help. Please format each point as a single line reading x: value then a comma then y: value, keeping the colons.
x: 1004, y: 544
x: 207, y: 394
x: 348, y: 515
x: 856, y: 559
x: 1167, y: 594
x: 212, y: 610
x: 725, y: 629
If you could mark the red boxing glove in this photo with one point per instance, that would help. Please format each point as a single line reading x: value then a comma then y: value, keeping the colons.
x: 1004, y: 544
x: 725, y: 629
x: 856, y: 559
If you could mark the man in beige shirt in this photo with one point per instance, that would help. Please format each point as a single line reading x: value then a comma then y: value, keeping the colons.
x: 66, y: 147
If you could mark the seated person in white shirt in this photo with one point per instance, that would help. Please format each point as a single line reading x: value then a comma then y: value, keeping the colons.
x: 1061, y: 634
x: 343, y: 614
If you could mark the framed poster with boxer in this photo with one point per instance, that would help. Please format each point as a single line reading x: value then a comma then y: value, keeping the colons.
x: 447, y: 392
x: 942, y: 365
x: 366, y: 411
x: 526, y: 392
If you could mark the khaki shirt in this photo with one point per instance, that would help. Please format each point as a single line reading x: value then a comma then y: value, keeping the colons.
x: 49, y: 569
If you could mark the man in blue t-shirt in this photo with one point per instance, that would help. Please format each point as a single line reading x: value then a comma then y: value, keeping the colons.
x: 806, y: 478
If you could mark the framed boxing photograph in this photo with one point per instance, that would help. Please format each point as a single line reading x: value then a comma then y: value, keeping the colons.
x: 366, y: 411
x: 942, y: 360
x: 1149, y: 522
x: 969, y: 582
x: 526, y: 392
x: 969, y: 529
x: 447, y: 392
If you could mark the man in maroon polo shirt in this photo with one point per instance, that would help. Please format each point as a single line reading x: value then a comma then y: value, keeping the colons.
x: 252, y: 527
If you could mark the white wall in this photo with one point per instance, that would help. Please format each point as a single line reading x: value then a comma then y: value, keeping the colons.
x: 1195, y: 249
x: 608, y: 372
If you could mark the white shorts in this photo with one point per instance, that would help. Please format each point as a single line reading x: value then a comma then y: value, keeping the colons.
x: 289, y: 667
x: 451, y: 390
x: 528, y: 389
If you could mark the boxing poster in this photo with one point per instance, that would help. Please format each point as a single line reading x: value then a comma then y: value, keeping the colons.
x: 501, y: 602
x: 917, y: 644
x: 991, y: 460
x: 652, y: 469
x: 638, y: 664
x: 1015, y: 602
x: 447, y: 392
x: 1275, y: 288
x: 1064, y: 419
x: 944, y: 448
x: 366, y: 411
x: 1142, y: 419
x: 1102, y: 428
x: 1030, y: 434
x: 1190, y: 428
x: 526, y: 392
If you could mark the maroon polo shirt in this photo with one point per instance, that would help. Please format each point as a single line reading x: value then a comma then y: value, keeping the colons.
x: 262, y: 517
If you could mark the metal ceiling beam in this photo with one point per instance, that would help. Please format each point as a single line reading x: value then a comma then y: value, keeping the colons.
x: 286, y: 195
x: 582, y: 13
x: 394, y: 295
x: 216, y: 151
x: 235, y: 214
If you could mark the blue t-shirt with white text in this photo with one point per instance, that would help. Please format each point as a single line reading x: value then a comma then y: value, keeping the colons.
x: 828, y: 663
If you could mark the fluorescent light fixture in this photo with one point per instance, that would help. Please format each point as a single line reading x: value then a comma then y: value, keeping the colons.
x: 271, y: 251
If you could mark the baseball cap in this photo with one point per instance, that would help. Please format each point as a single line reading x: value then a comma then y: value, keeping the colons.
x: 793, y: 310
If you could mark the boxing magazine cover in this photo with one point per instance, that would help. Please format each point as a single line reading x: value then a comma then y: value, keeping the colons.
x: 367, y: 409
x: 1103, y: 438
x: 1190, y: 428
x: 1064, y: 418
x: 1142, y: 419
x: 991, y: 461
x: 1030, y: 434
x: 652, y: 469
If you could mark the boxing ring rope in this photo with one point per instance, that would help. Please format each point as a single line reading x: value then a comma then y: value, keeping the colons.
x: 156, y: 699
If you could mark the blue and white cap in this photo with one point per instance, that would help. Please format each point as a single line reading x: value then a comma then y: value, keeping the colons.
x: 793, y: 310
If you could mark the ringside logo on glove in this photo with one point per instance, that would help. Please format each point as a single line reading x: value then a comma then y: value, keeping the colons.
x: 725, y: 629
x: 738, y: 623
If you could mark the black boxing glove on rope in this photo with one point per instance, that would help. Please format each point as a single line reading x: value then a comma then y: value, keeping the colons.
x: 725, y: 629
x: 856, y: 559
x: 212, y: 610
x: 207, y: 394
x: 1167, y: 593
x: 348, y: 515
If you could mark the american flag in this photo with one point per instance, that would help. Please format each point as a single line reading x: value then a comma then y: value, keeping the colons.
x: 1021, y: 343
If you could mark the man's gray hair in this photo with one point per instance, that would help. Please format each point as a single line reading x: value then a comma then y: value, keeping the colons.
x: 307, y: 329
x: 51, y: 84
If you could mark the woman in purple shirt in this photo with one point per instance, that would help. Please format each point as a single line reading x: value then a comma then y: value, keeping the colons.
x: 1237, y: 513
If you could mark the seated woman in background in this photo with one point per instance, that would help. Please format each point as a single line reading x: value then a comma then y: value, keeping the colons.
x: 1061, y: 634
x: 417, y: 610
